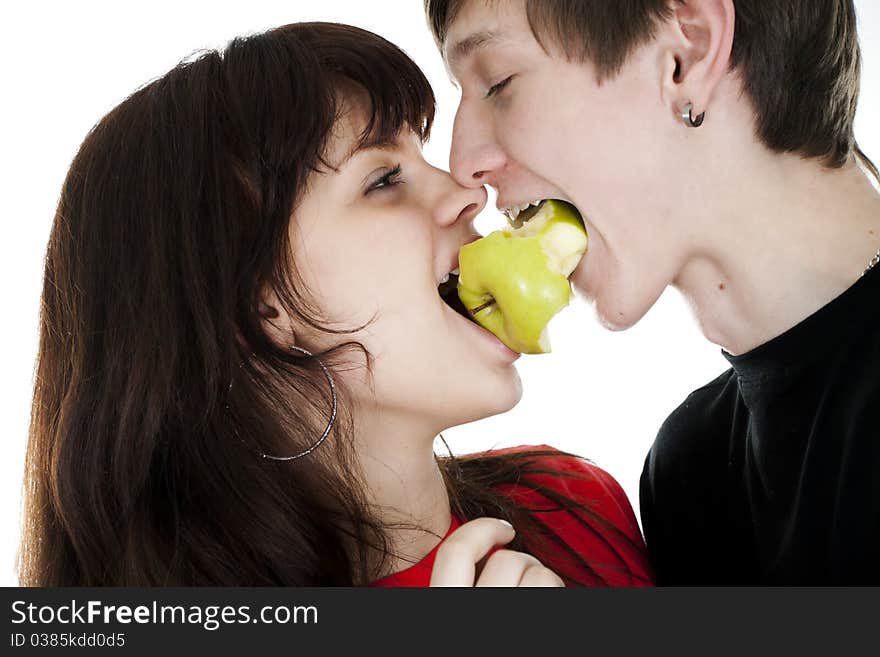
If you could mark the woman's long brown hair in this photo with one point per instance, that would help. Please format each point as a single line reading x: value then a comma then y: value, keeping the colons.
x: 156, y: 387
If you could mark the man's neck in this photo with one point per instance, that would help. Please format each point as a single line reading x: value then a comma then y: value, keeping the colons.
x: 781, y: 240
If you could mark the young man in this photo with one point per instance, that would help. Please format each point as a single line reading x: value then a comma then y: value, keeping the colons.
x: 709, y: 146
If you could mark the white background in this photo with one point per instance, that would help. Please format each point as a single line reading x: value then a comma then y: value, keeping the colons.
x: 65, y: 64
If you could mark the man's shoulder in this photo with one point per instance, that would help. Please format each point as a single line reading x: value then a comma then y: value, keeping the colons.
x: 703, y: 413
x: 687, y: 462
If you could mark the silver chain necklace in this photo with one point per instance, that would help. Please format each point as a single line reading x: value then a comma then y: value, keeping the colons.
x: 873, y: 262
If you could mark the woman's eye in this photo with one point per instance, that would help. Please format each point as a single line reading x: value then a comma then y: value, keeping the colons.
x: 495, y: 88
x: 389, y: 179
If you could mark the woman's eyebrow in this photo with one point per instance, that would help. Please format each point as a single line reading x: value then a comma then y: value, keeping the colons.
x: 368, y: 145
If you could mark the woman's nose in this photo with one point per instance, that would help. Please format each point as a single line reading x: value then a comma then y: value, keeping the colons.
x: 459, y: 203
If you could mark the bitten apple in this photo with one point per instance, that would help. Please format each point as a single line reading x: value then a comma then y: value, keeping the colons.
x: 514, y: 280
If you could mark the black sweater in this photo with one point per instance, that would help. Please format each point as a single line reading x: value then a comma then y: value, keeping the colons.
x: 770, y: 474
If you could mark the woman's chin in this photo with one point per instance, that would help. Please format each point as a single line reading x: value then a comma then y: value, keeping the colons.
x: 490, y: 384
x: 517, y: 392
x: 506, y: 395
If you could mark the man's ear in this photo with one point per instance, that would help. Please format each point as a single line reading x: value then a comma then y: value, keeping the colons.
x: 700, y: 38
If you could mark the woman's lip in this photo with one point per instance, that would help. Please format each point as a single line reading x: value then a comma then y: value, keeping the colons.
x: 487, y: 337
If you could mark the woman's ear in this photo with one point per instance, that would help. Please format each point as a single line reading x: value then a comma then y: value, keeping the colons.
x: 700, y: 46
x: 274, y: 320
x: 267, y: 312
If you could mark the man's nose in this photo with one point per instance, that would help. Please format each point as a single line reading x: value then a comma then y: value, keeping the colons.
x: 476, y: 157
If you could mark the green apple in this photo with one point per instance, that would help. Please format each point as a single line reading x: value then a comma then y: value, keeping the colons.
x: 514, y: 280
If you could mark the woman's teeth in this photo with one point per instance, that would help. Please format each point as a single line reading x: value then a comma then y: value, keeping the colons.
x: 448, y: 291
x: 445, y: 279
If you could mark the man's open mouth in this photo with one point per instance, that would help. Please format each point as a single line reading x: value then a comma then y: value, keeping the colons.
x: 517, y: 217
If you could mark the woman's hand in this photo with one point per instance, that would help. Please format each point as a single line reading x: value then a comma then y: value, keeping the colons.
x: 457, y: 558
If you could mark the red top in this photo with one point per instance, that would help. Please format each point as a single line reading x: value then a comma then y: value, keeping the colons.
x: 608, y: 540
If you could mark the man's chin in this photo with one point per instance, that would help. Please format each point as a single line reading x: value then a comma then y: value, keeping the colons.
x: 613, y: 323
x: 617, y: 307
x: 609, y: 316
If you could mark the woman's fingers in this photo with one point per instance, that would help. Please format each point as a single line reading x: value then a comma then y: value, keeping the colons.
x: 506, y: 568
x: 540, y: 575
x: 510, y: 568
x: 457, y: 557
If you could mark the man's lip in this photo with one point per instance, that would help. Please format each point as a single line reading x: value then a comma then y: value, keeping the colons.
x: 506, y: 200
x: 503, y: 204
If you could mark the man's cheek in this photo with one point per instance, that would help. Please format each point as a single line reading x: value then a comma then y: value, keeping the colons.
x: 535, y: 138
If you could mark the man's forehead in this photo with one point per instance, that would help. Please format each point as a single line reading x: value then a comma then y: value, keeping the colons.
x: 460, y: 49
x: 476, y: 24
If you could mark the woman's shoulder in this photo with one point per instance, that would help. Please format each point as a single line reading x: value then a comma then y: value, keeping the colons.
x: 607, y: 523
x: 564, y: 472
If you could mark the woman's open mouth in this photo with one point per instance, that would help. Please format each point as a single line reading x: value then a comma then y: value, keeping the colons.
x: 448, y: 291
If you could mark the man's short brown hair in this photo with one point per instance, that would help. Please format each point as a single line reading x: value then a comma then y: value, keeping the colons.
x: 799, y: 59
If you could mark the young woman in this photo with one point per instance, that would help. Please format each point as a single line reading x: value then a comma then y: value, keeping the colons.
x: 244, y: 359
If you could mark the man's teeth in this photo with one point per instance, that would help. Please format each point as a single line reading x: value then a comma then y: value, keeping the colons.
x: 513, y: 211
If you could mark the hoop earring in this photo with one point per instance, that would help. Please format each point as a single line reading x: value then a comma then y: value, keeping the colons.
x: 326, y: 433
x: 688, y: 117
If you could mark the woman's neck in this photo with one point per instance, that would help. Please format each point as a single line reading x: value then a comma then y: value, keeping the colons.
x: 406, y: 487
x: 783, y: 240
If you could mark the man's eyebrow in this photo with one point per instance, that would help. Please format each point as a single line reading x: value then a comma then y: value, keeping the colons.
x: 469, y: 44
